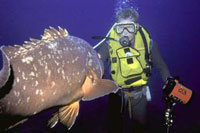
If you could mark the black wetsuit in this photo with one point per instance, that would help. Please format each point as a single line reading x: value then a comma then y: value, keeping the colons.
x: 138, y: 104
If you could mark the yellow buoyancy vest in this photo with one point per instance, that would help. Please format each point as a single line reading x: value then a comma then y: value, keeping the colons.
x: 128, y: 64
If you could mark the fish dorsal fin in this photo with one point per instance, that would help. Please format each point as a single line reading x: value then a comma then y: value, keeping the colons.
x: 49, y: 35
x: 11, y: 51
x: 52, y: 34
x: 66, y: 115
x: 15, y: 50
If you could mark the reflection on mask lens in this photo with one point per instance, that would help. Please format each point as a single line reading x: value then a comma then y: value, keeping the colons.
x: 121, y: 27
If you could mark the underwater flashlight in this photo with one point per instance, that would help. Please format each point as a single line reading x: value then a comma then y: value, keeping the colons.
x: 176, y: 91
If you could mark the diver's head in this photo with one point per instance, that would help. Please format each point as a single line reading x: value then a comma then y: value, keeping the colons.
x: 126, y: 23
x: 127, y: 13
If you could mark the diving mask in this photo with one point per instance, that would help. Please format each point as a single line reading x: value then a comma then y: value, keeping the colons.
x: 130, y: 27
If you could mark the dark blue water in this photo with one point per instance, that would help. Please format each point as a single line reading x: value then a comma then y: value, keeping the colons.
x: 174, y: 25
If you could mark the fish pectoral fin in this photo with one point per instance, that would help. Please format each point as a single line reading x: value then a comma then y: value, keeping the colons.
x: 18, y: 123
x: 97, y: 88
x: 66, y: 115
x: 53, y: 121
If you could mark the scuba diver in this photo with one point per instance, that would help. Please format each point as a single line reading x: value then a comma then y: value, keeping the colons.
x: 128, y: 53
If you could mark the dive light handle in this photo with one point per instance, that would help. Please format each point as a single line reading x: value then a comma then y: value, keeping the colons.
x: 169, y: 113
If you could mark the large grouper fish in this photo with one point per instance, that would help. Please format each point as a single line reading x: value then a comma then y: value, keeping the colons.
x: 58, y: 70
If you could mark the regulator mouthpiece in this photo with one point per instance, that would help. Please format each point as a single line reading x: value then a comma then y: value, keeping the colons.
x: 124, y: 41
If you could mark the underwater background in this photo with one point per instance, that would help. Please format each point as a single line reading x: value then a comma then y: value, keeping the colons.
x: 173, y: 24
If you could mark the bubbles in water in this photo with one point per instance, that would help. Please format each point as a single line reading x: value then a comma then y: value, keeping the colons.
x: 120, y: 4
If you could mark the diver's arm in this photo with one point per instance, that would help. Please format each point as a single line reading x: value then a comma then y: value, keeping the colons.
x: 102, y: 50
x: 159, y: 62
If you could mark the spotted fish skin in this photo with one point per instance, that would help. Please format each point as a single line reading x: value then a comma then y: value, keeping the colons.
x: 47, y: 73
